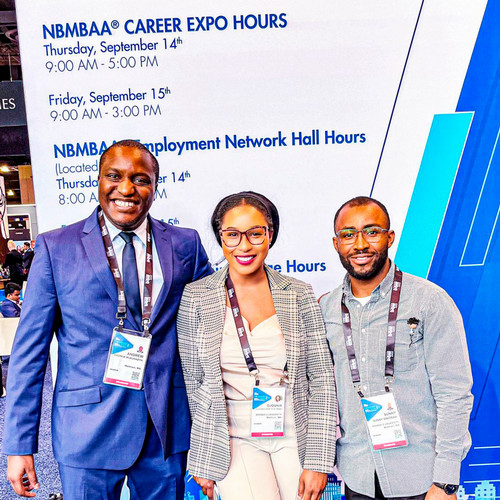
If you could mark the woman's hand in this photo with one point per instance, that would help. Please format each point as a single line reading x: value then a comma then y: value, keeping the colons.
x: 311, y: 485
x: 207, y: 486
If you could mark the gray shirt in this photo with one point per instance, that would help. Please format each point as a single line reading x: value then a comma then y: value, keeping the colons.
x: 432, y: 387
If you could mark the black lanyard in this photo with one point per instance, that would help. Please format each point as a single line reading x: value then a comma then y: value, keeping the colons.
x: 391, y: 334
x: 147, y: 306
x: 242, y: 333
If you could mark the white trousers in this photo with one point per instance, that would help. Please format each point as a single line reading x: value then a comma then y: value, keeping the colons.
x: 260, y: 468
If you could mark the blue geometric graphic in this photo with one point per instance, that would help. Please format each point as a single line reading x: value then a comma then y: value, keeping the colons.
x: 370, y: 408
x: 431, y: 193
x: 485, y: 491
x: 466, y: 261
x: 120, y: 343
x: 479, y: 240
x: 333, y: 490
x: 259, y: 397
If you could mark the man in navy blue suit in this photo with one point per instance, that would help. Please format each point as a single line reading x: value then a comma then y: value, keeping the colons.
x: 11, y: 307
x: 102, y: 433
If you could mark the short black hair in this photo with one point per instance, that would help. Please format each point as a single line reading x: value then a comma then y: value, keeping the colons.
x: 361, y: 201
x: 130, y: 143
x: 257, y: 200
x: 27, y: 243
x: 11, y: 287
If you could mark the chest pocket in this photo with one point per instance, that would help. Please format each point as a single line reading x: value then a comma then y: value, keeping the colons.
x: 409, y: 346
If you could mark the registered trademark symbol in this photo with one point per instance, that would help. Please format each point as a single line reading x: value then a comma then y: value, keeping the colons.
x: 115, y: 24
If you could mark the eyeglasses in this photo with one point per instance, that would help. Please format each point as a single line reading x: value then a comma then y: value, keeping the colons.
x: 371, y: 234
x: 255, y: 235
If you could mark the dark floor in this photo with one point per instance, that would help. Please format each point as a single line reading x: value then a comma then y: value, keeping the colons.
x: 46, y: 466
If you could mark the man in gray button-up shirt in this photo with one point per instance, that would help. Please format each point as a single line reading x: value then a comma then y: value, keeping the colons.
x: 432, y: 375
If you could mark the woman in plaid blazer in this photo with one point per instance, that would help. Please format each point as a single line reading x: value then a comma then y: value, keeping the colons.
x: 246, y: 225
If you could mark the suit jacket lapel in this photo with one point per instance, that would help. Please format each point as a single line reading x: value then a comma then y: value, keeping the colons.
x: 94, y: 248
x: 285, y: 304
x: 163, y: 243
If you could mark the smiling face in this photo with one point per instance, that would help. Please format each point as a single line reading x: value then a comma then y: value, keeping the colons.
x: 245, y: 259
x: 127, y: 185
x: 364, y: 261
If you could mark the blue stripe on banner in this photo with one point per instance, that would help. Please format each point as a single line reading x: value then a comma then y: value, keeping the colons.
x: 486, y: 214
x: 432, y: 190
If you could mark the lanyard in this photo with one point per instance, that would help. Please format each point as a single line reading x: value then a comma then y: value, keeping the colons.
x: 391, y: 334
x: 121, y: 313
x: 242, y: 334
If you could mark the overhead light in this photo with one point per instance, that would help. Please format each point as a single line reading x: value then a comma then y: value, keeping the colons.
x: 4, y: 168
x: 10, y: 192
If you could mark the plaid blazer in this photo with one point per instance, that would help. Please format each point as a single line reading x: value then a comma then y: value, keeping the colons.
x: 200, y: 326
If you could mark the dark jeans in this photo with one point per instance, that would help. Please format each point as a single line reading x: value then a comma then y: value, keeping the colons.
x: 352, y: 495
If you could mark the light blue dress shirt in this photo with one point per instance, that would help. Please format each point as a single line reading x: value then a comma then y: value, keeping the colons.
x: 139, y: 242
x: 432, y: 386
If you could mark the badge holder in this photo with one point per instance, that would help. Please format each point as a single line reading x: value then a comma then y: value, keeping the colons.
x: 383, y: 420
x: 268, y: 410
x: 127, y: 357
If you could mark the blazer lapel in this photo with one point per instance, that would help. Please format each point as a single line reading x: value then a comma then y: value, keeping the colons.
x: 213, y: 317
x: 285, y: 304
x: 94, y: 248
x: 214, y: 314
x: 163, y: 243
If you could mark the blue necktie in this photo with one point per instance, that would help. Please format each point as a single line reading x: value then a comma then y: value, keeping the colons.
x: 130, y: 278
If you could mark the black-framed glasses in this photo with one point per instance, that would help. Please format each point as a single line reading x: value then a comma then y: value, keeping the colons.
x: 255, y: 235
x: 371, y: 234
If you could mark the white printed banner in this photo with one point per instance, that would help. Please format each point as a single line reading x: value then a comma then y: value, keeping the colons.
x: 291, y: 99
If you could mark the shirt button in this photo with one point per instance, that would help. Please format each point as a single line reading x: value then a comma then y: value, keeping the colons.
x: 363, y: 359
x: 365, y: 387
x: 358, y: 305
x: 363, y: 330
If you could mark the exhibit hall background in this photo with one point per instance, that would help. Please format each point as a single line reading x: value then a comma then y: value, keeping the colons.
x: 309, y: 103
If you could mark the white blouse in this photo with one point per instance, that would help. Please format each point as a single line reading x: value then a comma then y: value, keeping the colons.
x: 268, y: 348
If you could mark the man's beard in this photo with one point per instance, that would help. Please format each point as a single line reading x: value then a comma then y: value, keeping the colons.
x: 367, y: 273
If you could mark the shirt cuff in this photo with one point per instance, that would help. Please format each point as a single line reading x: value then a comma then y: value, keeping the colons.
x: 446, y: 471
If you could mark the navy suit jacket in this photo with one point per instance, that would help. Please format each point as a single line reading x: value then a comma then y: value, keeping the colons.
x: 9, y: 309
x: 71, y: 292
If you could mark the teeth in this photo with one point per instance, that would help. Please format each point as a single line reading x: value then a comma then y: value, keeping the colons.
x: 124, y: 204
x: 244, y: 259
x: 361, y: 259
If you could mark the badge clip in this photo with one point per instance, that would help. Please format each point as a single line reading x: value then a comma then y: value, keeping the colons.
x: 255, y: 374
x: 284, y: 376
x: 145, y: 327
x: 387, y: 381
x: 120, y: 317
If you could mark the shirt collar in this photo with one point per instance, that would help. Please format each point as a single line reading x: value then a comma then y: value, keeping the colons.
x: 140, y: 231
x: 383, y: 288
